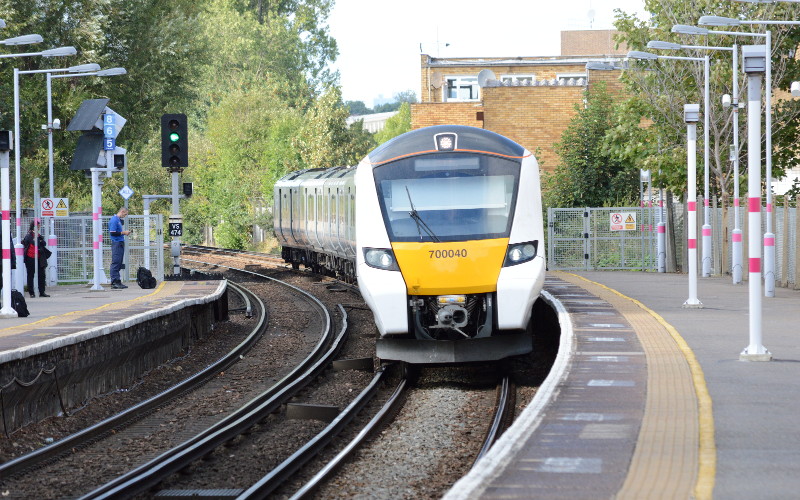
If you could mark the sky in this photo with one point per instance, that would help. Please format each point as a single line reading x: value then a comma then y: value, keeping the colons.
x: 380, y: 41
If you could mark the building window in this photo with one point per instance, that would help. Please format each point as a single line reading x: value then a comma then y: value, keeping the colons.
x: 462, y: 88
x: 565, y: 77
x: 516, y: 79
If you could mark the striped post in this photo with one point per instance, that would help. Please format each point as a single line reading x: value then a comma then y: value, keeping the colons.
x: 691, y: 112
x: 97, y: 230
x: 755, y: 351
x: 5, y: 206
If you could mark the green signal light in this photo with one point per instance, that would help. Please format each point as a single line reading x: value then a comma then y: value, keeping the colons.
x: 174, y: 136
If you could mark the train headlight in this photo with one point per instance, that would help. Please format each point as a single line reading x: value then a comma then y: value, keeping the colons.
x: 380, y: 258
x: 520, y: 252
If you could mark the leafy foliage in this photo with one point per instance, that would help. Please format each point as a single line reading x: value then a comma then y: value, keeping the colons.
x: 590, y: 174
x: 396, y: 125
x: 661, y: 88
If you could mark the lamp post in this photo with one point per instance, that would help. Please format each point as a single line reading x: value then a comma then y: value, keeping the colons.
x: 635, y: 54
x: 690, y: 112
x: 737, y: 259
x: 755, y: 59
x: 58, y: 52
x: 706, y: 258
x: 769, y: 236
x: 691, y: 119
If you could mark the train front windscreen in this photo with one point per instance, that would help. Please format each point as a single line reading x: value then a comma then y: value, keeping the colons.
x: 448, y: 197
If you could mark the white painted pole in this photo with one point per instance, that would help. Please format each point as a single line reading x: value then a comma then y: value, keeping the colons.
x: 146, y: 201
x: 706, y: 155
x: 5, y: 227
x: 97, y: 229
x: 755, y: 351
x: 691, y: 150
x: 737, y: 267
x: 769, y: 235
x: 52, y: 239
x: 18, y: 216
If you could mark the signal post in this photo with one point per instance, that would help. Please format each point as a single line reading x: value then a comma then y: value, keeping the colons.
x: 175, y: 157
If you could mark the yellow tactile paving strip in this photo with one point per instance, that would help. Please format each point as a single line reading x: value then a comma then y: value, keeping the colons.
x: 675, y: 455
x: 164, y: 289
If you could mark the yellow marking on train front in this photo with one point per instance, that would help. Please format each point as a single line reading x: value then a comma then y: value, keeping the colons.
x: 457, y: 267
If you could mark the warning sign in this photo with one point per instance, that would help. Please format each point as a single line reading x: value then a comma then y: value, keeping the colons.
x: 55, y: 207
x: 623, y: 221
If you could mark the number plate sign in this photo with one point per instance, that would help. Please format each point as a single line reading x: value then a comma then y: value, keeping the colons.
x: 176, y: 228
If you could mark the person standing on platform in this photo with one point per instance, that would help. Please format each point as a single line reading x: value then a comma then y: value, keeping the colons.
x: 117, y: 235
x: 32, y: 255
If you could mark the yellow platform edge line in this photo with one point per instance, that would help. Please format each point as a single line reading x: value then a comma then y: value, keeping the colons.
x: 707, y: 453
x: 38, y: 321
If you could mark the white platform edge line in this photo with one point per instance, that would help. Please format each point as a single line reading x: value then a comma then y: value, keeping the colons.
x: 506, y: 448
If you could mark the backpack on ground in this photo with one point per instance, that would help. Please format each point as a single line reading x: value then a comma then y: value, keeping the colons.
x: 144, y: 278
x: 18, y: 304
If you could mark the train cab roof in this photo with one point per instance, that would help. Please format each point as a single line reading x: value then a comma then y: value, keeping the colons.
x: 445, y: 138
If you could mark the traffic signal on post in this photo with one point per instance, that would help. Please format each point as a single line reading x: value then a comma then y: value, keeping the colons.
x: 174, y: 143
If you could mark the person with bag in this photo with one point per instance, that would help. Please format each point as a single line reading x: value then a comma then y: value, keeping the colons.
x: 34, y: 254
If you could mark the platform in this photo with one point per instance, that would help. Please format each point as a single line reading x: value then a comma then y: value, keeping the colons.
x: 711, y: 426
x: 75, y: 312
x: 79, y: 343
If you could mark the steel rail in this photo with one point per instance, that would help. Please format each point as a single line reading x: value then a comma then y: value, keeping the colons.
x: 504, y: 412
x: 388, y: 409
x: 148, y: 475
x: 92, y: 433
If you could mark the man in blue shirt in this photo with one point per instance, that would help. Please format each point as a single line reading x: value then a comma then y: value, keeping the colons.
x: 117, y: 235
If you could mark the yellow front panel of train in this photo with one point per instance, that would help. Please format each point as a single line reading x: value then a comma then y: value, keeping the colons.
x: 451, y: 267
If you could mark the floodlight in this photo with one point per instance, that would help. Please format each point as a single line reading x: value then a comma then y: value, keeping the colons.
x: 718, y: 21
x: 689, y: 30
x: 638, y: 54
x: 655, y: 44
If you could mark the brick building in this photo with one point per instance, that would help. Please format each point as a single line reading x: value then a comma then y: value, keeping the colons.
x: 528, y: 99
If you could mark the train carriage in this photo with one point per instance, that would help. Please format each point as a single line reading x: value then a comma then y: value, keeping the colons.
x: 446, y: 242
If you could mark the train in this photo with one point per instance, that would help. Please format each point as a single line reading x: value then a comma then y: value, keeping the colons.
x: 442, y: 230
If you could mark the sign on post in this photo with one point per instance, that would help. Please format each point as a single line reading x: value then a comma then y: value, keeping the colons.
x: 623, y: 221
x: 55, y: 207
x: 109, y: 132
x: 175, y: 225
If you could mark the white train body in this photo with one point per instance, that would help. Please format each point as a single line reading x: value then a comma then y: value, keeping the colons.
x: 442, y: 229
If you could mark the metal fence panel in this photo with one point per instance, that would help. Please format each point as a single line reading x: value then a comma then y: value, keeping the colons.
x: 582, y: 238
x: 75, y: 252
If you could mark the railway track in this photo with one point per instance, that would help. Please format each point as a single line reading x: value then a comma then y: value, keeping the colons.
x: 305, y: 466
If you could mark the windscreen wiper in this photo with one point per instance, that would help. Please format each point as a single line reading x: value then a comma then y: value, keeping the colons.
x: 420, y: 223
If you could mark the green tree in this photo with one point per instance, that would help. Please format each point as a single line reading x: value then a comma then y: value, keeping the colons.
x: 396, y: 125
x: 663, y: 87
x: 588, y: 174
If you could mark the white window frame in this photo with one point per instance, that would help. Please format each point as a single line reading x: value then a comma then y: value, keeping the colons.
x: 567, y: 76
x: 462, y: 82
x: 511, y: 78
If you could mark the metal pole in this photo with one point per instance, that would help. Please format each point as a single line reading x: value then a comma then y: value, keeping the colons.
x: 37, y: 216
x: 755, y: 351
x: 737, y: 266
x: 97, y: 229
x: 18, y: 216
x: 52, y: 239
x: 176, y: 211
x: 146, y: 201
x: 5, y: 228
x: 691, y: 133
x: 706, y: 154
x: 769, y: 236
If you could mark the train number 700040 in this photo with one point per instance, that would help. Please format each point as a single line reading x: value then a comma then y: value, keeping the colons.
x: 447, y: 254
